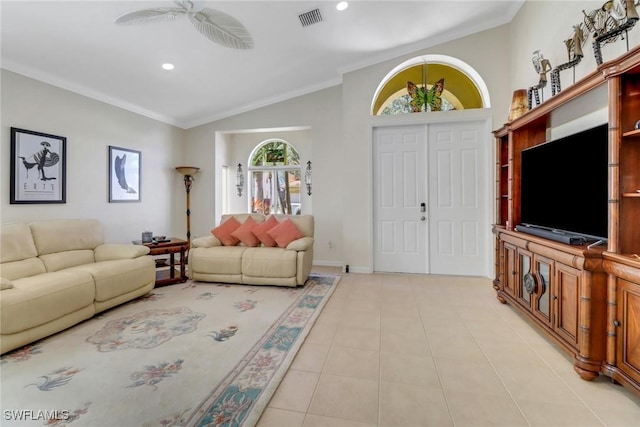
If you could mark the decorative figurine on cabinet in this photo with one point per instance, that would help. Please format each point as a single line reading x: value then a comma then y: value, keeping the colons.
x: 542, y: 67
x: 574, y: 46
x: 609, y: 23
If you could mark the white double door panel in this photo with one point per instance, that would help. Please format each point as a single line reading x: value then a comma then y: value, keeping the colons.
x: 399, y: 177
x: 444, y: 166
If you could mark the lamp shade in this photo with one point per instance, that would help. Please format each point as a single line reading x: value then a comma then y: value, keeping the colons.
x: 187, y: 170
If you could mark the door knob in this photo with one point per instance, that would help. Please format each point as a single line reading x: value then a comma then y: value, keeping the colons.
x: 423, y: 218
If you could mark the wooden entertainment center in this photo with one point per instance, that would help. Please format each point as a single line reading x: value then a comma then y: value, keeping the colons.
x: 585, y: 298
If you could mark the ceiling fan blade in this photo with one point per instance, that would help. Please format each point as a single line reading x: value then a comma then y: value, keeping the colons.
x: 150, y: 15
x: 221, y: 28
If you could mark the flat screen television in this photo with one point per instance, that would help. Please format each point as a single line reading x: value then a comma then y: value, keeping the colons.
x: 563, y: 185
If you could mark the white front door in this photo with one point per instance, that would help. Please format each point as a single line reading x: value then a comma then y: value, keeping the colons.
x: 458, y: 198
x: 445, y: 166
x: 400, y: 233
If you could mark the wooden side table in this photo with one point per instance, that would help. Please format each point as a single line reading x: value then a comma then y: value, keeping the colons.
x: 170, y: 275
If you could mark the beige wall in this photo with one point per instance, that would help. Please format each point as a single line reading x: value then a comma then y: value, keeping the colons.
x: 544, y: 25
x: 502, y: 57
x: 340, y: 133
x: 358, y: 89
x: 90, y: 127
x: 320, y: 113
x: 337, y: 139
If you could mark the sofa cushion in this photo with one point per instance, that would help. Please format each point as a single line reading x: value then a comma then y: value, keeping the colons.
x: 224, y: 260
x: 16, y: 243
x: 224, y: 230
x: 5, y: 284
x: 40, y: 299
x: 269, y: 262
x: 66, y: 259
x: 244, y: 233
x: 261, y: 231
x: 114, y: 251
x: 119, y: 277
x: 25, y: 268
x: 285, y: 233
x: 66, y: 235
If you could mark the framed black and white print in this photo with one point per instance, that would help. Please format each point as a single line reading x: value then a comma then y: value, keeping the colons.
x: 124, y: 175
x: 38, y: 167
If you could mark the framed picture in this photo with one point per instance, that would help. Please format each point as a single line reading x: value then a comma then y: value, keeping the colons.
x: 38, y: 167
x: 124, y: 175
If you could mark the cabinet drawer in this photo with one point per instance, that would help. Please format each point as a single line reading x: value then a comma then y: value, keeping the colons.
x: 163, y: 251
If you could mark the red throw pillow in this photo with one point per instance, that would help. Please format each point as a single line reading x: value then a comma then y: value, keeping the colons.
x: 260, y: 231
x: 224, y: 230
x: 244, y: 234
x: 285, y: 233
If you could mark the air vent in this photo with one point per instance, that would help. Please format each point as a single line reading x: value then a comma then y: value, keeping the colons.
x: 311, y: 17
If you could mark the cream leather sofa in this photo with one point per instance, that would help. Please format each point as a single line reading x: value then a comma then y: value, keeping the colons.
x: 210, y: 261
x: 58, y: 273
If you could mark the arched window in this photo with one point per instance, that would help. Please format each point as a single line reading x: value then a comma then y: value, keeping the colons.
x: 430, y: 83
x: 274, y: 171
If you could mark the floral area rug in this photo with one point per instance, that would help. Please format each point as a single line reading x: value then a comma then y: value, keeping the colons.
x: 193, y: 354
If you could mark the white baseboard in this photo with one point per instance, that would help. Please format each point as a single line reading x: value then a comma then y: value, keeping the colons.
x: 352, y: 269
x: 327, y: 263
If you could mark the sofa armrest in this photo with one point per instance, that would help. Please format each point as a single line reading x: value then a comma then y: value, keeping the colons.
x: 5, y: 284
x: 302, y: 244
x: 113, y: 251
x: 205, y: 242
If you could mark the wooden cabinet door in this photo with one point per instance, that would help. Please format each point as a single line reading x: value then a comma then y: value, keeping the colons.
x: 565, y: 299
x: 524, y: 274
x: 544, y: 275
x: 509, y: 269
x: 628, y: 334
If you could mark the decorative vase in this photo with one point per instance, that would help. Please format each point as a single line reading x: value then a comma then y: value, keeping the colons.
x: 519, y: 104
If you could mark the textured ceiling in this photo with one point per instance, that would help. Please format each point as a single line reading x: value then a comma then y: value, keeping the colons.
x: 76, y: 45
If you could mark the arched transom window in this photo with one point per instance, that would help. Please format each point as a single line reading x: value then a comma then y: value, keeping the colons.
x: 430, y: 83
x: 274, y: 171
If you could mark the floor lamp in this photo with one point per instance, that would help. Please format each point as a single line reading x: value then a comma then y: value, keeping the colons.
x: 188, y: 172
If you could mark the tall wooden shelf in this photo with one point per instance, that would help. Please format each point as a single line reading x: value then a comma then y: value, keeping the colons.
x: 586, y: 299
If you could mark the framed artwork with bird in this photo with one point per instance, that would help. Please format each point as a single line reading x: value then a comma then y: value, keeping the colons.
x: 38, y: 167
x: 124, y: 175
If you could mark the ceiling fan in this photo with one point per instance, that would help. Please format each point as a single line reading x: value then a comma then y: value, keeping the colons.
x: 215, y: 25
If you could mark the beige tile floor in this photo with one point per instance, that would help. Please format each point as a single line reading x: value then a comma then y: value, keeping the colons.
x: 408, y: 350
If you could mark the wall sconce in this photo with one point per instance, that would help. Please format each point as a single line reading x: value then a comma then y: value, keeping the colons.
x: 239, y: 180
x: 307, y: 178
x: 188, y: 172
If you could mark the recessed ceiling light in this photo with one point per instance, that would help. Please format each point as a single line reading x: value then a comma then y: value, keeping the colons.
x: 342, y: 5
x: 168, y: 66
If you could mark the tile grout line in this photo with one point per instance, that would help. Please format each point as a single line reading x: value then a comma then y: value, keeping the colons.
x: 435, y: 364
x: 495, y: 371
x: 543, y: 360
x: 326, y: 359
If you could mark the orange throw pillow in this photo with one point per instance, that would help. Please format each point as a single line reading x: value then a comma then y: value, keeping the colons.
x: 244, y: 234
x: 224, y: 230
x: 285, y: 233
x: 260, y: 231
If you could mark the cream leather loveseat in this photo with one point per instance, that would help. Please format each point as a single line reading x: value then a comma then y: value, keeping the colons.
x: 211, y: 261
x: 58, y: 273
